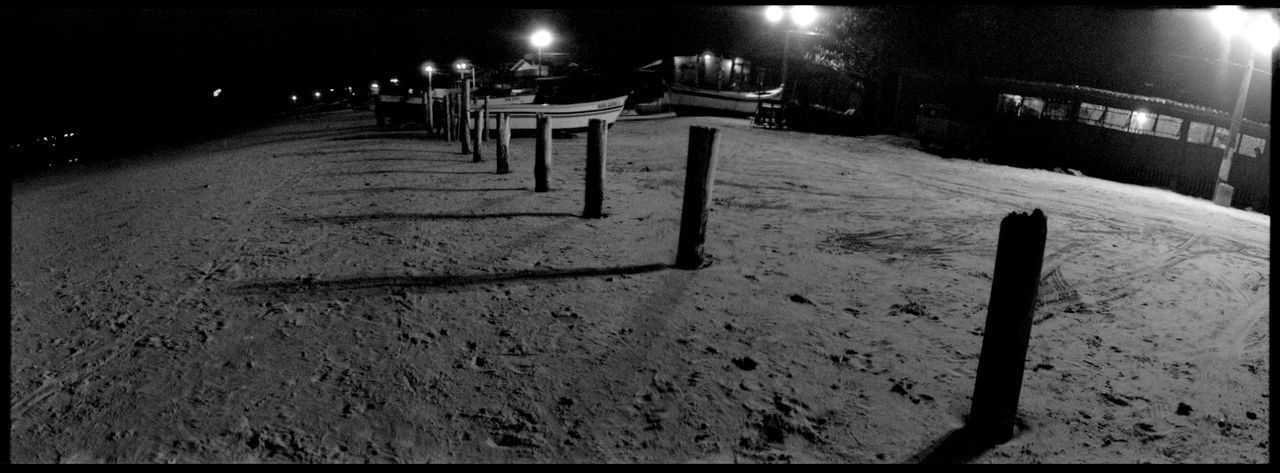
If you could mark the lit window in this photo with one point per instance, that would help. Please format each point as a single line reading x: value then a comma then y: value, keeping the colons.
x: 1220, y: 137
x: 1031, y: 107
x: 1008, y: 104
x: 1142, y: 123
x: 1091, y: 114
x: 1251, y: 146
x: 1117, y: 118
x: 1168, y: 127
x: 1199, y: 133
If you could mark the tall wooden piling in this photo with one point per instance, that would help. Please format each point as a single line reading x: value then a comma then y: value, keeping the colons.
x: 504, y: 143
x: 597, y: 141
x: 431, y: 121
x: 1014, y: 285
x: 449, y: 127
x: 475, y: 137
x: 698, y: 179
x: 484, y: 121
x: 464, y: 131
x: 542, y: 154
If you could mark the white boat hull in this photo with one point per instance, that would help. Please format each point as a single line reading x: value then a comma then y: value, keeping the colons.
x: 737, y: 103
x: 523, y: 116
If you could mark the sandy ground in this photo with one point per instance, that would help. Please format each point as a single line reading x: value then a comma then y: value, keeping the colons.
x: 326, y: 291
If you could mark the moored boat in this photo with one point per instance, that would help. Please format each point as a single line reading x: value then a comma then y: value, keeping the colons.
x: 690, y: 100
x: 564, y: 117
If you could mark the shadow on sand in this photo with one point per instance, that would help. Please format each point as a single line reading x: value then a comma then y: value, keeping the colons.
x: 391, y: 216
x: 297, y: 289
x: 392, y: 171
x: 375, y: 190
x: 963, y: 445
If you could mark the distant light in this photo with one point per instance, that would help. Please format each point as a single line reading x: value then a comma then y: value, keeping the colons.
x: 540, y: 39
x: 1228, y: 18
x: 1263, y: 33
x: 430, y: 69
x: 217, y: 92
x: 1140, y: 117
x: 774, y: 13
x: 317, y: 94
x: 348, y: 89
x: 373, y: 85
x: 395, y: 81
x: 410, y: 91
x: 330, y: 90
x: 803, y: 15
x: 293, y: 98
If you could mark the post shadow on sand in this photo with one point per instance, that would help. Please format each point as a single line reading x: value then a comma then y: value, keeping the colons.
x: 407, y: 160
x: 375, y: 190
x: 389, y: 135
x: 395, y: 171
x: 305, y: 289
x: 961, y: 445
x: 416, y: 216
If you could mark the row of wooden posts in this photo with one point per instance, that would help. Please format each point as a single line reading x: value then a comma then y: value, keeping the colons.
x: 469, y: 128
x: 1014, y: 286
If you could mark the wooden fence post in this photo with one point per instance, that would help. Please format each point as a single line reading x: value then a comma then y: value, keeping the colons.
x: 475, y: 137
x: 597, y: 141
x: 1014, y: 286
x: 504, y: 142
x: 698, y: 179
x: 464, y: 131
x: 542, y: 154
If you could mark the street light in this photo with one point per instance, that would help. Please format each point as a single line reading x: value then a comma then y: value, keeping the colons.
x: 1262, y: 33
x: 539, y: 40
x: 429, y: 69
x: 801, y: 16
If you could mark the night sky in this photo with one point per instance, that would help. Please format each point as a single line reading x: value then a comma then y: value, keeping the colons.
x: 126, y: 66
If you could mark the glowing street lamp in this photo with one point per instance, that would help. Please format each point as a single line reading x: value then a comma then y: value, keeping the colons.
x: 294, y: 98
x: 373, y: 87
x: 539, y: 40
x: 1262, y: 33
x: 801, y: 17
x: 429, y: 69
x: 317, y: 94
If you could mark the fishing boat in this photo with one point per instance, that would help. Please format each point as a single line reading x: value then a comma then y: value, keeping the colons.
x: 685, y: 100
x: 564, y: 117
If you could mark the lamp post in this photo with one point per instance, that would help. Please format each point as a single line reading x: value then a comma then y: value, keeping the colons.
x: 429, y: 69
x: 1262, y: 33
x: 539, y: 40
x: 801, y: 16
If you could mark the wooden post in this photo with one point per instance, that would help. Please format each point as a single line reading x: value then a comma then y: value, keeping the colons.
x: 542, y: 155
x: 597, y: 140
x: 504, y: 142
x: 448, y: 117
x: 484, y: 121
x: 464, y: 129
x: 475, y: 137
x: 699, y: 175
x: 430, y: 123
x: 1014, y: 285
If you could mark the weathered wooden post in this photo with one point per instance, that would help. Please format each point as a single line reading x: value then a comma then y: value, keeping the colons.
x: 699, y: 175
x: 504, y: 142
x: 464, y: 132
x: 475, y: 137
x: 484, y: 121
x: 597, y: 141
x: 542, y: 154
x: 1014, y: 286
x: 448, y: 117
x: 426, y: 99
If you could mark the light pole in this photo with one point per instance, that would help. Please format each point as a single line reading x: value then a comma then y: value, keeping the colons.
x: 539, y: 40
x: 1262, y: 33
x: 430, y: 69
x: 801, y: 16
